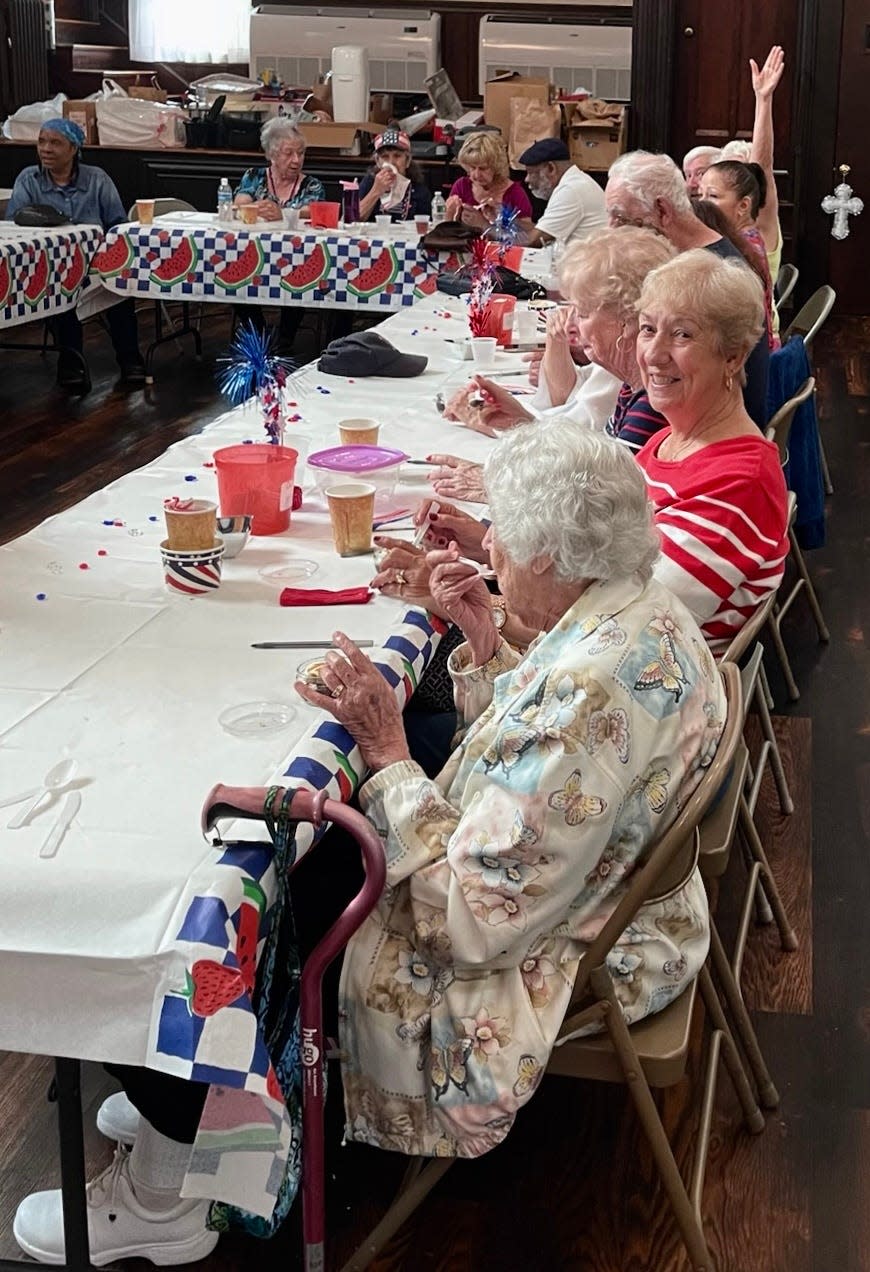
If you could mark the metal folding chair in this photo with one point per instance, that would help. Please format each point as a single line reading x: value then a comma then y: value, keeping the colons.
x: 786, y: 281
x: 778, y: 431
x: 161, y: 312
x: 807, y: 323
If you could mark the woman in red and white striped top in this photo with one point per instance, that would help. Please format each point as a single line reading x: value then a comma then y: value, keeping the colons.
x: 716, y: 483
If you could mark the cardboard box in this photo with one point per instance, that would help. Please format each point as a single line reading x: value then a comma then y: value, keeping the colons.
x: 148, y: 93
x: 85, y: 115
x: 595, y: 143
x: 497, y: 94
x: 337, y: 136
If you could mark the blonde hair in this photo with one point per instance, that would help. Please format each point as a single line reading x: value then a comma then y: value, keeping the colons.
x: 722, y: 295
x: 488, y: 150
x: 607, y: 270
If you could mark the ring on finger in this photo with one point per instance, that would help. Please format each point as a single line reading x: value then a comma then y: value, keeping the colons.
x: 400, y: 578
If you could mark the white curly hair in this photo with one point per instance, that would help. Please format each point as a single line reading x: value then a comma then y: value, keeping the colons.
x: 579, y: 497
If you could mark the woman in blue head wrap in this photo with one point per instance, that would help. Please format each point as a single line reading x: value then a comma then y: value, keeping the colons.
x: 83, y: 195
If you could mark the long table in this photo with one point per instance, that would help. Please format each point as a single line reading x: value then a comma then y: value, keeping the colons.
x: 43, y: 272
x: 99, y: 662
x: 190, y: 256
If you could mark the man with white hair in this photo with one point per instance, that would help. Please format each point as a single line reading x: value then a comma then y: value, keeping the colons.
x: 649, y: 190
x: 695, y: 163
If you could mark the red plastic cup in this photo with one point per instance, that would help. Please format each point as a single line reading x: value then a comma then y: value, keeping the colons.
x: 499, y: 318
x: 257, y: 481
x: 324, y: 216
x: 513, y: 258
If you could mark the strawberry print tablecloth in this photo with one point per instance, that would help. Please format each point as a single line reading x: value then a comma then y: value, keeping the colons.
x: 244, y: 265
x: 43, y: 272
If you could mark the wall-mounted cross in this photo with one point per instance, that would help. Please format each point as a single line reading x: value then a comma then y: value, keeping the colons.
x: 843, y: 204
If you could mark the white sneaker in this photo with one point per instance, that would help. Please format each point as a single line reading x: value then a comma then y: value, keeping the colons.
x: 119, y: 1226
x: 118, y: 1119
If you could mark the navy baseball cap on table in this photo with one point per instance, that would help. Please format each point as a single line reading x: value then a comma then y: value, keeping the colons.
x: 547, y: 150
x: 367, y: 353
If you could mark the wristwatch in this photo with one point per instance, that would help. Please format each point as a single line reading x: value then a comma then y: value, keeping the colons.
x: 499, y: 614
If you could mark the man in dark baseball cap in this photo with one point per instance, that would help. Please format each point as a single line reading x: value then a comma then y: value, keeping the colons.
x: 367, y: 353
x: 575, y: 201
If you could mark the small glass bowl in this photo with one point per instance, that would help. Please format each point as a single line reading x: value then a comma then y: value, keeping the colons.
x: 310, y: 673
x: 288, y: 573
x: 257, y: 719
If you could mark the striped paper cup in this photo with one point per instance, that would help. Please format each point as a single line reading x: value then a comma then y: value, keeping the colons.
x: 192, y: 573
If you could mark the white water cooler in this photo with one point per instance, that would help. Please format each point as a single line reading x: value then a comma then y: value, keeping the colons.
x: 350, y: 84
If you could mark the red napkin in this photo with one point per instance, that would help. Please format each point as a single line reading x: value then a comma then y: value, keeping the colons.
x: 323, y: 596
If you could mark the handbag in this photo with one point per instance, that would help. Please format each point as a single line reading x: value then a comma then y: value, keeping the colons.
x: 449, y: 236
x: 508, y: 282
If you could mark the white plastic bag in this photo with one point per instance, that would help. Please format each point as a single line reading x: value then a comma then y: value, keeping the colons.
x: 26, y: 122
x: 129, y: 121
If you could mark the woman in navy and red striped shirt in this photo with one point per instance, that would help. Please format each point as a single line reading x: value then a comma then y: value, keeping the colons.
x: 716, y: 483
x: 603, y: 276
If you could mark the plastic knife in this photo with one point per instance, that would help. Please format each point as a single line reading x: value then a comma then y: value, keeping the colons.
x: 71, y: 806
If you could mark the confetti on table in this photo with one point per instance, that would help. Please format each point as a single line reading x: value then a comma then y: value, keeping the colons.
x: 191, y: 477
x: 209, y: 463
x: 102, y: 552
x: 247, y: 441
x: 321, y: 389
x: 152, y: 518
x: 40, y: 596
x: 117, y: 523
x: 112, y: 523
x: 83, y: 565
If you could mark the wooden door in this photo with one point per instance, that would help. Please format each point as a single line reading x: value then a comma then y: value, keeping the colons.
x: 713, y: 99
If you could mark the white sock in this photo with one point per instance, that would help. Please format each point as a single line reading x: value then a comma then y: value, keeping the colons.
x: 157, y: 1168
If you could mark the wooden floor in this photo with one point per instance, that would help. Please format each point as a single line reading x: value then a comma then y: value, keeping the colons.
x: 573, y: 1187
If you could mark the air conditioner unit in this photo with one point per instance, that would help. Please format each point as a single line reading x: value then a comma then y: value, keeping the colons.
x: 569, y: 55
x: 297, y: 43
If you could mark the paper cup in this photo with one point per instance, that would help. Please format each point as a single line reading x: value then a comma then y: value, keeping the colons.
x: 191, y: 529
x: 383, y: 222
x: 145, y: 211
x: 525, y: 325
x: 359, y: 432
x: 351, y: 511
x: 192, y: 573
x: 483, y: 350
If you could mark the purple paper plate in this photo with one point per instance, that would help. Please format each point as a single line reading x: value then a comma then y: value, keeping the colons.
x: 356, y: 459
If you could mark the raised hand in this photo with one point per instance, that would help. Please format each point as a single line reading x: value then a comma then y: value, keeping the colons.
x: 764, y: 81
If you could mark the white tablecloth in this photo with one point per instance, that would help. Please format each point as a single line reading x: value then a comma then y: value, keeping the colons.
x: 99, y: 662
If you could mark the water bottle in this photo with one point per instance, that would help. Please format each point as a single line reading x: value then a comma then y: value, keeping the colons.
x: 224, y: 201
x: 439, y: 208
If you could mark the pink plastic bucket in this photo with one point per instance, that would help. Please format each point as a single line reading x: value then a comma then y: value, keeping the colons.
x: 257, y: 481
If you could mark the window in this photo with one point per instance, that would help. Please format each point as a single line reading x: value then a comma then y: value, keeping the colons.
x: 189, y: 30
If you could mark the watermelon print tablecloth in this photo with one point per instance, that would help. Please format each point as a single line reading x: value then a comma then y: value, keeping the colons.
x: 43, y: 272
x: 264, y: 267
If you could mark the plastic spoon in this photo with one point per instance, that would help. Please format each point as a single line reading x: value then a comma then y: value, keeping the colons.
x: 55, y: 779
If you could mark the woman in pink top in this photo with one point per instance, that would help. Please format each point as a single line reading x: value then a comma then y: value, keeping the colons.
x: 716, y: 483
x: 476, y: 198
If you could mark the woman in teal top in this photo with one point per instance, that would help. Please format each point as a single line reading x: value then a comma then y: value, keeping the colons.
x: 282, y: 184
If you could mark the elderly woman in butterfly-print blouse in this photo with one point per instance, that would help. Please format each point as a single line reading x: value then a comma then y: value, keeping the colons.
x: 575, y: 758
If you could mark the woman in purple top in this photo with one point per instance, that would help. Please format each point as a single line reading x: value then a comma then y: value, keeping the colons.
x: 476, y: 198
